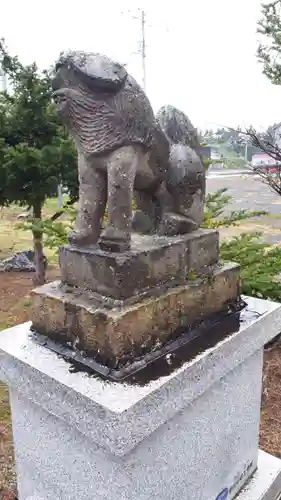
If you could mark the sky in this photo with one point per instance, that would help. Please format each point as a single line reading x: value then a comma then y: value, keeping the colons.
x: 201, y: 55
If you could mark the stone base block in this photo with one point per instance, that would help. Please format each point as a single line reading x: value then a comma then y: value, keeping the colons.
x: 192, y: 434
x: 266, y: 481
x: 151, y: 262
x: 120, y: 333
x: 264, y: 485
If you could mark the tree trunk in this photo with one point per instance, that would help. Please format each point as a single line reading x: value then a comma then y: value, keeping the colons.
x: 39, y: 259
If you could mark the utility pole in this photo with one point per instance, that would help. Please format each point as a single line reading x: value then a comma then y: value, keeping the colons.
x: 3, y: 81
x: 60, y: 196
x: 246, y: 152
x: 141, y: 17
x: 143, y: 49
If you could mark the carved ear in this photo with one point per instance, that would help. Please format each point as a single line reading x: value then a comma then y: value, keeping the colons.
x: 99, y: 72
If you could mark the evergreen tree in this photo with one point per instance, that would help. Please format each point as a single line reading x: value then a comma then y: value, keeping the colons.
x: 36, y: 153
x: 269, y: 52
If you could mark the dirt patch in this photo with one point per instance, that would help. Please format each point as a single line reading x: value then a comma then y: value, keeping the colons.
x: 7, y: 475
x: 270, y: 432
x: 14, y: 296
x: 14, y: 239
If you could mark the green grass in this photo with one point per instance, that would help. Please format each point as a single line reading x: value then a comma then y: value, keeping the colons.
x: 51, y: 205
x: 13, y: 239
x: 233, y: 159
x: 6, y: 456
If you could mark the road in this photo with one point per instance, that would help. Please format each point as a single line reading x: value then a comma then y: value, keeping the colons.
x: 250, y: 193
x: 217, y: 171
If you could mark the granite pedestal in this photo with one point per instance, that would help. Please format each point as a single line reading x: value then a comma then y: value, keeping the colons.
x: 192, y: 433
x: 151, y: 262
x: 117, y: 333
x: 124, y: 305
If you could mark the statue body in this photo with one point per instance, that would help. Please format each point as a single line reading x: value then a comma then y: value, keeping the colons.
x: 126, y: 153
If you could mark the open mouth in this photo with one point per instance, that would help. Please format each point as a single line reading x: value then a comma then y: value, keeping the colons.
x: 59, y: 96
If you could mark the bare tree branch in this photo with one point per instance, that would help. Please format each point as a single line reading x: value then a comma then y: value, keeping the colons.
x: 266, y: 142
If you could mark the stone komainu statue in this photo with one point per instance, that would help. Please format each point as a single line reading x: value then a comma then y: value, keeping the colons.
x: 126, y: 153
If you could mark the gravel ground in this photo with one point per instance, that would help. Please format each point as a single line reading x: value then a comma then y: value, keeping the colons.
x: 250, y: 193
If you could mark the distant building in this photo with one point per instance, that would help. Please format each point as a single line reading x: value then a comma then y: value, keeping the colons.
x: 277, y: 134
x: 263, y: 160
x: 251, y: 151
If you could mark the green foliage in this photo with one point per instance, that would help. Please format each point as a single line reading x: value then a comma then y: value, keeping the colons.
x: 237, y: 162
x: 54, y: 232
x: 208, y: 161
x: 215, y: 205
x: 269, y: 54
x: 36, y: 152
x: 229, y: 142
x: 260, y: 265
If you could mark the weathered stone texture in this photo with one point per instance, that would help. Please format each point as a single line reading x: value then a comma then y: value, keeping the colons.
x: 125, y: 331
x: 126, y: 152
x: 152, y: 261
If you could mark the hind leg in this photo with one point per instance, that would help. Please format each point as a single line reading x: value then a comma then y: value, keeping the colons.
x: 145, y: 215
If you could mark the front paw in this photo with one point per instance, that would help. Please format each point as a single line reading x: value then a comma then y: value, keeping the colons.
x: 115, y: 240
x: 82, y: 238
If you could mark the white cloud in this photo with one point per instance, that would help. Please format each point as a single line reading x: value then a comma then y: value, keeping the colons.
x: 200, y: 55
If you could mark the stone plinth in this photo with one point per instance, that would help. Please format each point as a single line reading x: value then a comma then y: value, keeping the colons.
x: 116, y: 333
x: 191, y: 434
x: 151, y: 262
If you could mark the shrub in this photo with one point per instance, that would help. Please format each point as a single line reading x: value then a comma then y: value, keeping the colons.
x: 260, y: 263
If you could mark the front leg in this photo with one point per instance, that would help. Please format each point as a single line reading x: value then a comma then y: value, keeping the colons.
x: 91, y: 204
x: 121, y: 170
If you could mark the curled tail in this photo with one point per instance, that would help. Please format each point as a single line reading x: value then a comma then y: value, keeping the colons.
x: 178, y: 128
